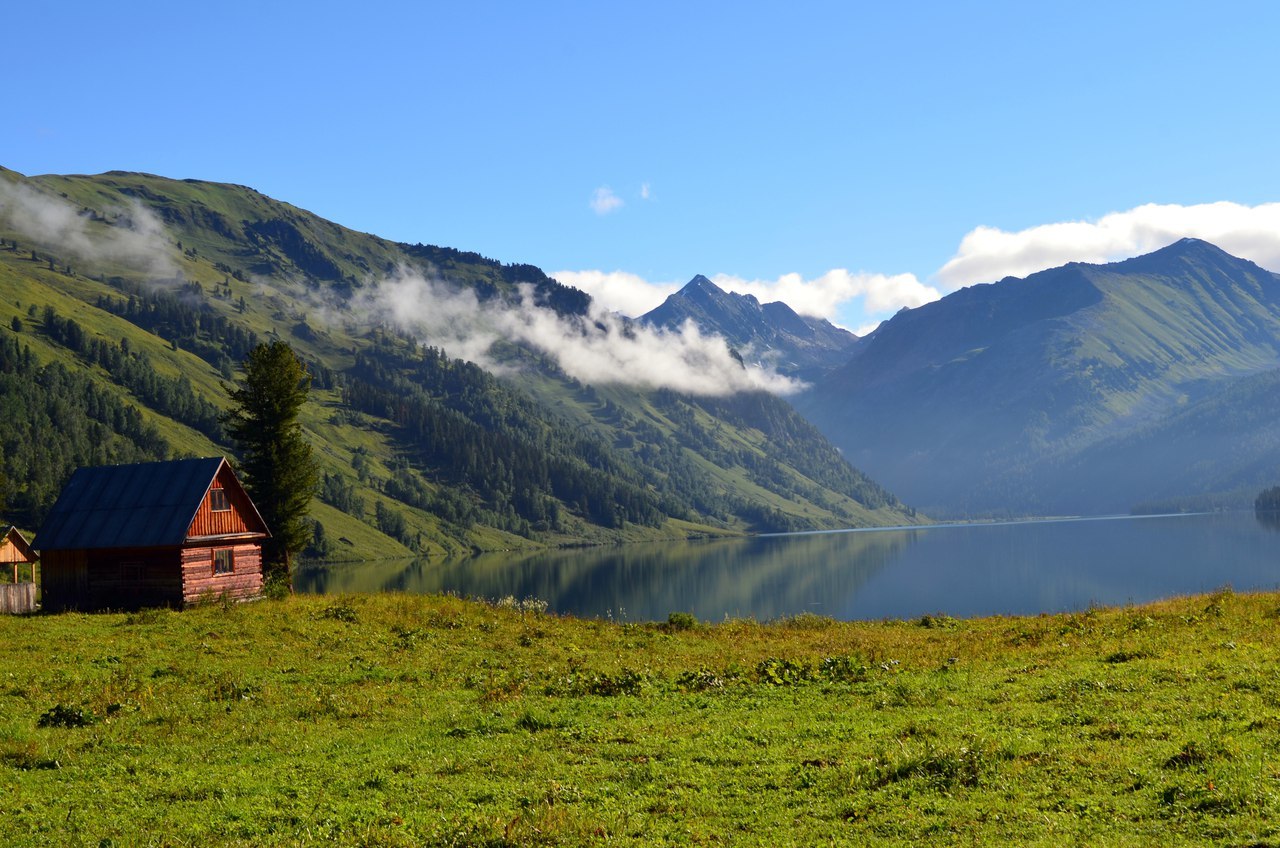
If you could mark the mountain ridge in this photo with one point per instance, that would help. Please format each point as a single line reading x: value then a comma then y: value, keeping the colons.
x: 964, y: 405
x: 772, y: 334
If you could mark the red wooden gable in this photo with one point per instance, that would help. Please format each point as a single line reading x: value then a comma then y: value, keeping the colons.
x: 225, y: 510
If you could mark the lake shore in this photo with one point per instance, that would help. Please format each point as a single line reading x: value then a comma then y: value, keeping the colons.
x: 428, y: 720
x: 966, y: 571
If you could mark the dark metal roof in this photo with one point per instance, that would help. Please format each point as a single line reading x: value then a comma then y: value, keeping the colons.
x: 147, y: 505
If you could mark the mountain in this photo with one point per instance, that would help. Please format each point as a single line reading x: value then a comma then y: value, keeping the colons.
x: 1081, y: 389
x: 1217, y: 452
x: 128, y: 300
x: 772, y: 333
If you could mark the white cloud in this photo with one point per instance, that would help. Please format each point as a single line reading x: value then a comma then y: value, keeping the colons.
x: 597, y: 350
x: 987, y: 254
x: 135, y: 237
x: 823, y: 296
x: 630, y: 294
x: 644, y: 191
x: 866, y: 329
x: 604, y: 201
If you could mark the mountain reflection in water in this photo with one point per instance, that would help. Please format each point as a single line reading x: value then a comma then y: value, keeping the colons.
x: 762, y: 577
x: 961, y: 570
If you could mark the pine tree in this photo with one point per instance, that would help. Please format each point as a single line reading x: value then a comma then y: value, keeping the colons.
x: 276, y: 461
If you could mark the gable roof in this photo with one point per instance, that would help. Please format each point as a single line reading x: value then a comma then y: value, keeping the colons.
x: 12, y: 535
x: 145, y: 505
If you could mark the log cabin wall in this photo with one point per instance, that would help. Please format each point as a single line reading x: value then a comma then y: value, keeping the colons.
x: 64, y: 580
x: 131, y: 579
x: 110, y: 579
x: 199, y: 582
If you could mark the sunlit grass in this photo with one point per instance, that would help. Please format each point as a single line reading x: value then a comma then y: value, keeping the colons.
x: 408, y: 720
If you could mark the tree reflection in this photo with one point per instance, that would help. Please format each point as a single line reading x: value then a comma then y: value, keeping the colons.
x: 1268, y: 518
x: 1267, y: 508
x: 759, y: 577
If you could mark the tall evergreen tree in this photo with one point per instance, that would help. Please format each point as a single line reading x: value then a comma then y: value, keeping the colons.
x: 280, y: 472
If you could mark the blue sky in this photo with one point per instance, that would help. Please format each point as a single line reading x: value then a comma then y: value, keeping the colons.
x: 633, y: 145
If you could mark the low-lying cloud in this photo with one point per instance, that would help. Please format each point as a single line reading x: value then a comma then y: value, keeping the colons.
x: 629, y: 294
x: 987, y: 254
x: 600, y: 349
x: 135, y: 238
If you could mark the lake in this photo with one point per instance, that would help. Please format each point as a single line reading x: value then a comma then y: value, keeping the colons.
x: 959, y: 570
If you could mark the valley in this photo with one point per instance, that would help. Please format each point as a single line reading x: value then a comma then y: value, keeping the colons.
x: 142, y: 294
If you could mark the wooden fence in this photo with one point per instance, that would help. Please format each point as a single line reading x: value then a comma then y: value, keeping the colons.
x: 17, y: 597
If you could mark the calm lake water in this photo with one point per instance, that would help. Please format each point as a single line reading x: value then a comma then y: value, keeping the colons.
x: 960, y: 570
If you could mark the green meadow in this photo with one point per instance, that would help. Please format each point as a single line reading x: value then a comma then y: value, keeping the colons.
x: 397, y: 720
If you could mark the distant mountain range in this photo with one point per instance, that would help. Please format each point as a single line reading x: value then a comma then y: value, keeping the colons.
x: 1149, y: 384
x: 771, y: 334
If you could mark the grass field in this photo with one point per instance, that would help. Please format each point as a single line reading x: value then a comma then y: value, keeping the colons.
x: 404, y: 720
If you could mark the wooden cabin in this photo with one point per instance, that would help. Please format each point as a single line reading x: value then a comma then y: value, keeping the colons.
x: 20, y: 595
x: 151, y: 534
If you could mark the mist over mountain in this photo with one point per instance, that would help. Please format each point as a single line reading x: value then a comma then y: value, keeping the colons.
x: 1081, y: 389
x: 771, y: 335
x: 460, y: 403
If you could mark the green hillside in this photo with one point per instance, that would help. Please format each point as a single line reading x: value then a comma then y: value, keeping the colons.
x: 1004, y: 398
x: 127, y: 302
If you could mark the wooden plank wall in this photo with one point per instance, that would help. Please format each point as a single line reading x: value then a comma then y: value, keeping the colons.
x: 199, y: 582
x: 9, y: 552
x: 17, y: 598
x: 228, y: 522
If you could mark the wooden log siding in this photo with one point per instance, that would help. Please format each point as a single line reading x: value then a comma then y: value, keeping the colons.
x: 199, y: 582
x: 112, y: 579
x: 65, y: 579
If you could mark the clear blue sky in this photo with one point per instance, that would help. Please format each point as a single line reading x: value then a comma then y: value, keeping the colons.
x: 772, y: 138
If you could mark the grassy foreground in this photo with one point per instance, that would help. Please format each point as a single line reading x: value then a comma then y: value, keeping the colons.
x: 405, y: 720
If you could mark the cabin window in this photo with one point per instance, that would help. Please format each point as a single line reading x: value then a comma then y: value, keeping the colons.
x: 223, y: 561
x: 218, y: 501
